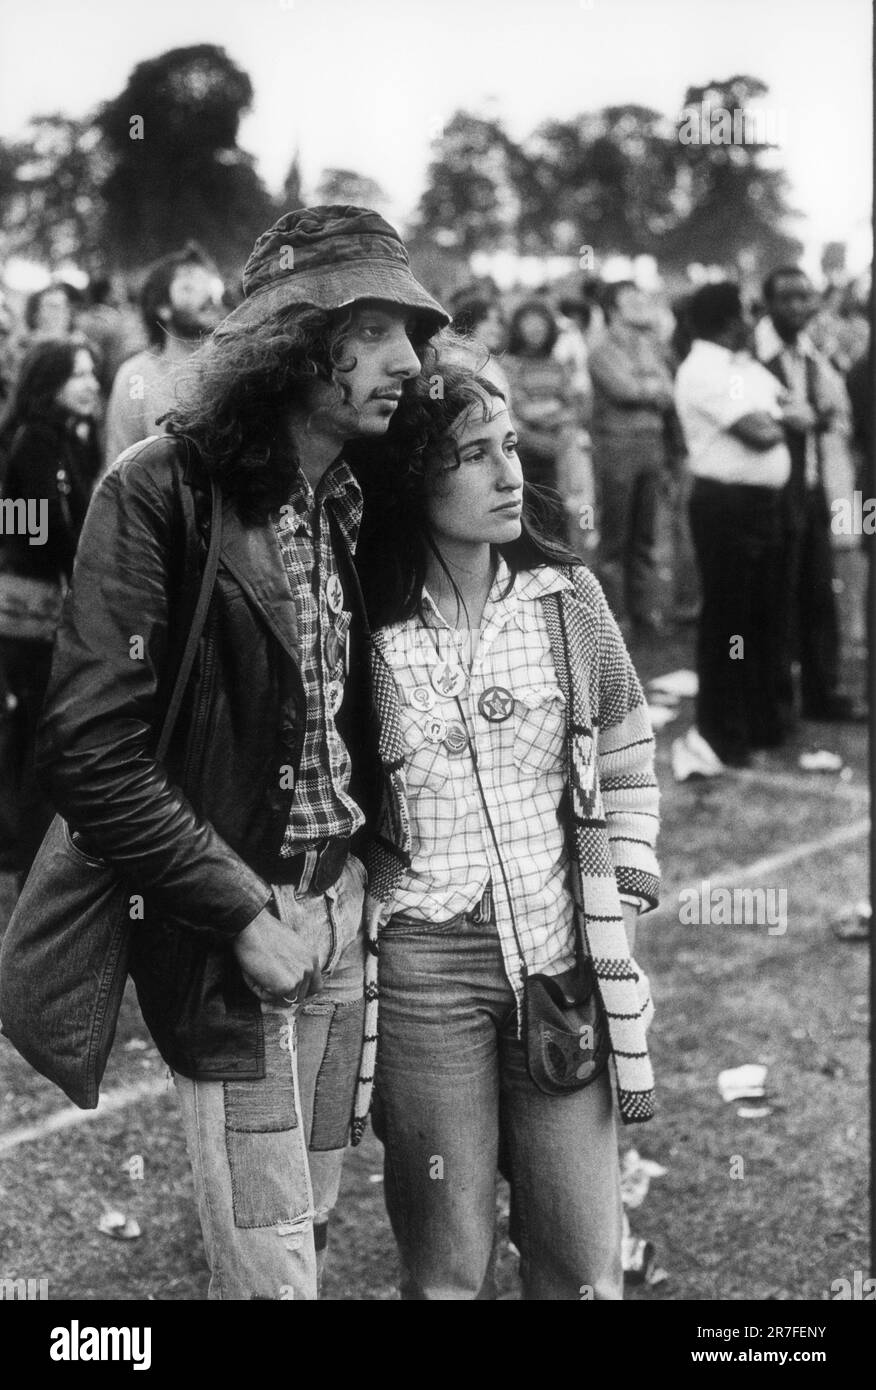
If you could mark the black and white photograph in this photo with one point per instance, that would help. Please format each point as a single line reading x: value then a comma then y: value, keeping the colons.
x: 437, y: 576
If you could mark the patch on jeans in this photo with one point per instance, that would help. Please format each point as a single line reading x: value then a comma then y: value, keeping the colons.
x: 336, y: 1082
x: 267, y: 1158
x: 257, y: 1107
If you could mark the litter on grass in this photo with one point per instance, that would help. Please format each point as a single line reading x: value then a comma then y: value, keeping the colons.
x: 684, y: 684
x: 660, y: 716
x: 853, y: 923
x: 747, y: 1082
x: 636, y: 1175
x: 119, y: 1226
x: 821, y: 761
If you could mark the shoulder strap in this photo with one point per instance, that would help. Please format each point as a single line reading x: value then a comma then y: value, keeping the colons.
x: 197, y: 627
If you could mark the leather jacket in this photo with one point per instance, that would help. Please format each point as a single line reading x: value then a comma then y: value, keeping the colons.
x: 198, y: 837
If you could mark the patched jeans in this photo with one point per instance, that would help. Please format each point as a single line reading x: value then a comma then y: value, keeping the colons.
x: 267, y: 1155
x: 454, y: 1101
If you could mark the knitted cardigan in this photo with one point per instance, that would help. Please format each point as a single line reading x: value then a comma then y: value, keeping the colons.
x: 612, y: 806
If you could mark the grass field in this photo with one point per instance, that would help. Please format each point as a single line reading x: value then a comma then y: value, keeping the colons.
x: 789, y: 1222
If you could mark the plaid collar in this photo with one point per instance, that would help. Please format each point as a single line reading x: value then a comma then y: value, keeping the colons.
x: 338, y: 487
x: 503, y: 607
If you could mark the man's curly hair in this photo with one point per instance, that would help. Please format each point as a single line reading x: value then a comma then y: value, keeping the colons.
x: 235, y: 395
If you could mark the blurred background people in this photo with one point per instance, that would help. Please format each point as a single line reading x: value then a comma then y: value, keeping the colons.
x: 730, y: 412
x: 49, y: 312
x: 548, y: 408
x: 812, y: 630
x: 632, y: 401
x: 108, y: 327
x: 480, y: 316
x: 181, y: 301
x: 51, y: 461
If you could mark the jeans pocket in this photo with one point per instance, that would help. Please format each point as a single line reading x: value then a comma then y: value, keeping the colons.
x: 267, y: 1157
x: 400, y: 925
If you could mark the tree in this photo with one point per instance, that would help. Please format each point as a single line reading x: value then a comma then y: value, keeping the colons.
x: 50, y: 189
x: 604, y: 179
x: 178, y: 172
x: 292, y: 196
x: 345, y: 186
x: 471, y: 200
x: 733, y: 203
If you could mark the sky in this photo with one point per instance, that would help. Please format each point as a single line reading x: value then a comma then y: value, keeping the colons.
x: 367, y: 84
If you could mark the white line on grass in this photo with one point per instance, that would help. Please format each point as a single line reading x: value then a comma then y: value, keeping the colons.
x: 71, y: 1116
x: 127, y: 1095
x: 764, y: 868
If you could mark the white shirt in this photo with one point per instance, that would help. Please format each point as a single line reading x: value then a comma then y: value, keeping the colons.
x: 713, y: 389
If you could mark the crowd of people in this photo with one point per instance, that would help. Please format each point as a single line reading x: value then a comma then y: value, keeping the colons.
x: 409, y: 681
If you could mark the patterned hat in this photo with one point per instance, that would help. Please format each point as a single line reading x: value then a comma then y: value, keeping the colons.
x: 329, y: 257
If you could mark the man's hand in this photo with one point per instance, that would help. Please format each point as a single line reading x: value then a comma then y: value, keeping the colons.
x: 275, y: 965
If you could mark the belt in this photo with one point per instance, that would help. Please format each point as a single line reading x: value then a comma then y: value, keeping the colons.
x: 316, y: 869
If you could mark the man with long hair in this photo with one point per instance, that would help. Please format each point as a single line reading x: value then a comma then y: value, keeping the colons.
x: 249, y: 960
x: 180, y: 303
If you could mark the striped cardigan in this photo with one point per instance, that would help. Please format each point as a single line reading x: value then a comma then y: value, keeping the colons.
x: 613, y: 809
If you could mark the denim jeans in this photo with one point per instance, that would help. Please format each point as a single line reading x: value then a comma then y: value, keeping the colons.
x: 454, y: 1101
x: 267, y: 1155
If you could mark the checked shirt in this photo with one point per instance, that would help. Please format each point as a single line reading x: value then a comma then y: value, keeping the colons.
x: 522, y: 773
x: 322, y: 807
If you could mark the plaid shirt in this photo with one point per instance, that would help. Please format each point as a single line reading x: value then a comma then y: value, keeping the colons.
x: 322, y: 807
x: 522, y: 770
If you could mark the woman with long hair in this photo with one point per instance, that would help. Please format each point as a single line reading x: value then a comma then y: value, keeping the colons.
x: 515, y: 843
x: 48, y: 440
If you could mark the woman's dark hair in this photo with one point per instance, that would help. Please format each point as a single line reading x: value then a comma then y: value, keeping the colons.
x: 470, y: 311
x: 45, y: 367
x: 397, y: 477
x: 517, y: 345
x: 235, y: 394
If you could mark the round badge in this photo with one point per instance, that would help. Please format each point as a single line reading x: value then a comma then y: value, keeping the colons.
x: 423, y: 698
x: 332, y: 650
x: 334, y: 695
x: 496, y: 704
x: 456, y: 738
x: 448, y: 680
x: 435, y: 729
x: 334, y: 594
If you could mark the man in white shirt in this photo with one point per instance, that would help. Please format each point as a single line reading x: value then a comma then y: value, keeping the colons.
x: 731, y: 414
x: 812, y: 631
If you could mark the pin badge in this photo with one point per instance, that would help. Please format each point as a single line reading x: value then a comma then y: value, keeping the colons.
x: 447, y: 680
x: 456, y: 738
x: 334, y: 594
x: 423, y: 698
x: 332, y: 650
x: 496, y: 704
x: 435, y: 728
x: 334, y: 696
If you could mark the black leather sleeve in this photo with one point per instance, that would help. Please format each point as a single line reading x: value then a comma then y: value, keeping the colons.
x: 95, y: 737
